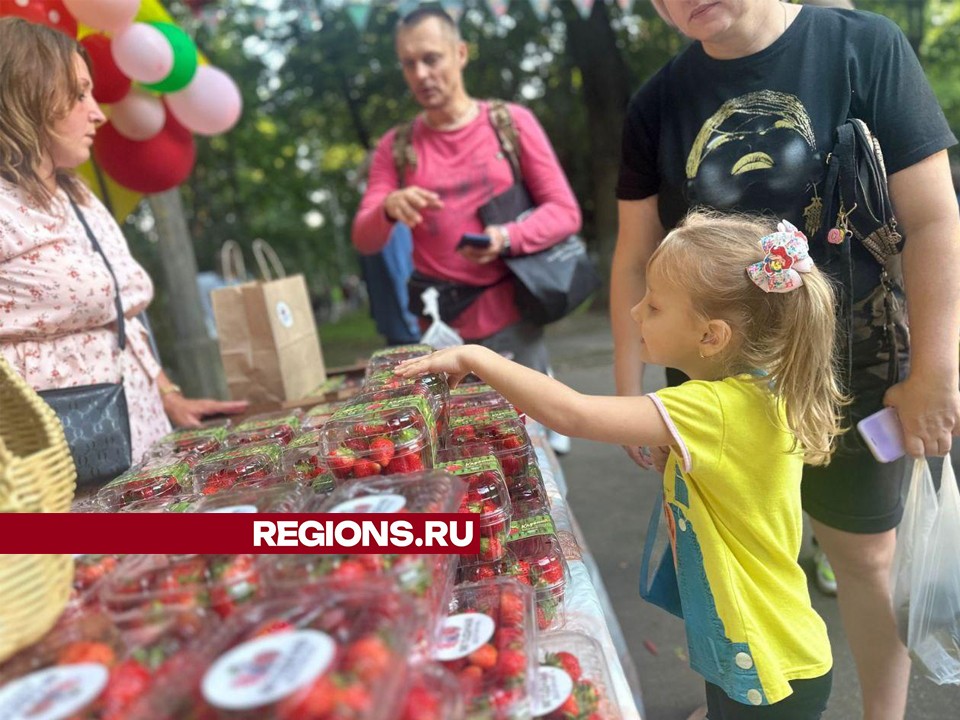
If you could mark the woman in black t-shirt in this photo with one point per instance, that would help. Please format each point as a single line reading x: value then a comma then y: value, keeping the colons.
x: 743, y: 120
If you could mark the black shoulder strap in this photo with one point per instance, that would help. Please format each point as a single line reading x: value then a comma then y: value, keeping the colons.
x: 507, y: 134
x: 404, y: 156
x: 121, y: 322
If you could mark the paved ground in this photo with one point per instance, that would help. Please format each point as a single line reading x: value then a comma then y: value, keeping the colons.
x: 612, y: 499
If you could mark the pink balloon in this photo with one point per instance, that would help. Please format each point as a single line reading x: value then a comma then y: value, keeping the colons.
x: 209, y: 105
x: 111, y: 15
x: 139, y: 116
x: 142, y: 53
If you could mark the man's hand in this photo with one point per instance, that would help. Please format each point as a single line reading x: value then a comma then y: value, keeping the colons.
x: 189, y: 412
x: 405, y: 205
x: 929, y: 411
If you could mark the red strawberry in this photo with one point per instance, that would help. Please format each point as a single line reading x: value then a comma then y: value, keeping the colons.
x: 484, y: 657
x: 511, y: 442
x: 421, y: 704
x: 87, y: 652
x: 552, y: 573
x: 128, y: 681
x: 355, y: 698
x: 568, y: 662
x: 382, y: 451
x: 511, y: 609
x: 570, y: 707
x: 512, y: 663
x: 368, y: 658
x: 271, y: 627
x: 366, y: 468
x: 341, y: 459
x: 316, y: 702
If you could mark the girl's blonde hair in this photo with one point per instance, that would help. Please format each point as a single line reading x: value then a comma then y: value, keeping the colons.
x: 38, y: 87
x: 791, y: 336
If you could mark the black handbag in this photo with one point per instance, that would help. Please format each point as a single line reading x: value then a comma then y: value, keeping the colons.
x: 551, y: 283
x: 94, y: 417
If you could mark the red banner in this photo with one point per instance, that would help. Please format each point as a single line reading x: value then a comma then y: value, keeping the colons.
x: 239, y: 532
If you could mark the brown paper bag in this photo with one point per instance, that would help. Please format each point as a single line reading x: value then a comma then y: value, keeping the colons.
x: 268, y: 340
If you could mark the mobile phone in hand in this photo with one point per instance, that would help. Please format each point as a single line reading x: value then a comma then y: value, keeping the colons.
x: 883, y: 434
x: 474, y: 240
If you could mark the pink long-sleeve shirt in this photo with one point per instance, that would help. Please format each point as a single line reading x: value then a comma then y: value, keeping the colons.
x: 467, y: 168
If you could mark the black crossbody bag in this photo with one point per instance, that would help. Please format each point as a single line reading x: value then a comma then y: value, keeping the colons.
x: 94, y: 417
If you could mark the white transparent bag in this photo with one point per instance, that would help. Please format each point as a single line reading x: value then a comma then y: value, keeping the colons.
x: 926, y: 574
x: 439, y: 335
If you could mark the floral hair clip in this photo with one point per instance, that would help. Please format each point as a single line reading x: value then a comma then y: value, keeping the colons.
x: 787, y: 256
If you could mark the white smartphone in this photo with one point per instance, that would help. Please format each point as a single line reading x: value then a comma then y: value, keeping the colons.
x: 883, y: 434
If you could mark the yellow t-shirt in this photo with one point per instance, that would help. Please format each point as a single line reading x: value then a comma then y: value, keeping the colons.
x: 732, y: 501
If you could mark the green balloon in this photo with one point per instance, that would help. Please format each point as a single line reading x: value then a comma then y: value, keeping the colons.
x: 184, y: 59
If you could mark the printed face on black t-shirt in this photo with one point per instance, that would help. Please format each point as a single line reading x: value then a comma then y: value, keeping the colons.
x: 752, y: 154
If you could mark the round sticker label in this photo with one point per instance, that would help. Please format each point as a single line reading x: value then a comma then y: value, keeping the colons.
x: 388, y: 503
x: 284, y: 314
x: 267, y: 669
x: 53, y: 694
x: 235, y: 509
x: 553, y: 688
x: 462, y: 634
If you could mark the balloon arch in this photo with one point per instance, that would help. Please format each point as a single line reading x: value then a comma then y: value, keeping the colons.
x: 156, y: 89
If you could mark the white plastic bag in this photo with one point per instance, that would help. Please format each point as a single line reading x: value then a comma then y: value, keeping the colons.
x: 439, y: 335
x: 926, y: 574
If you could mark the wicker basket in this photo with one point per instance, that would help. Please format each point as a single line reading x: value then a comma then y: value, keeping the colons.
x: 36, y: 475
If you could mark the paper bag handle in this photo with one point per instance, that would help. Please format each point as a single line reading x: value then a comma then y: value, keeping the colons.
x: 262, y: 252
x: 231, y: 262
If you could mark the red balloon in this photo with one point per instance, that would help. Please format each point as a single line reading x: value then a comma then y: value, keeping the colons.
x: 35, y: 11
x: 152, y: 166
x: 110, y: 85
x: 59, y: 18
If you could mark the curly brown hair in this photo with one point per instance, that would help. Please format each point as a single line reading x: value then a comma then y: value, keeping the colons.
x: 38, y: 87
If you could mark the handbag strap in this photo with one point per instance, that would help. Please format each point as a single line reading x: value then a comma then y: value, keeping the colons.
x: 121, y: 322
x: 503, y: 126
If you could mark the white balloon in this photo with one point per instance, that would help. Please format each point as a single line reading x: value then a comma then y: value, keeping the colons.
x: 110, y: 15
x: 142, y: 53
x: 209, y: 105
x: 139, y: 116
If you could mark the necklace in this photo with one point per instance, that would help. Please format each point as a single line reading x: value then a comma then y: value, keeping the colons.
x: 464, y: 118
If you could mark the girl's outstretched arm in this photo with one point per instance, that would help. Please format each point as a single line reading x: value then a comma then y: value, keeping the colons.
x: 621, y: 420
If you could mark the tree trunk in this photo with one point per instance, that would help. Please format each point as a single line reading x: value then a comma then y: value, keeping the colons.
x: 198, y: 366
x: 607, y: 84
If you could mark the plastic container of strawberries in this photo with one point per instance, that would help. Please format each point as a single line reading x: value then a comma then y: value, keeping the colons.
x: 237, y: 466
x: 341, y: 653
x: 486, y: 497
x: 503, y: 431
x: 302, y: 459
x: 164, y: 503
x: 389, y: 358
x: 282, y: 498
x: 433, y: 694
x: 144, y: 482
x: 279, y: 428
x: 476, y: 399
x: 527, y: 484
x: 489, y: 642
x: 89, y: 573
x: 432, y: 386
x: 372, y: 436
x: 573, y: 679
x: 317, y: 416
x: 198, y: 441
x: 538, y: 561
x: 77, y: 671
x: 177, y: 582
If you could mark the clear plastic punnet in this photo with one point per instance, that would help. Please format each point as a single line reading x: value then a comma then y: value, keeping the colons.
x: 432, y: 386
x: 279, y: 428
x: 142, y: 483
x: 89, y: 573
x: 161, y: 583
x: 237, y: 466
x: 198, y: 441
x: 78, y: 671
x: 489, y: 642
x: 339, y: 654
x: 317, y: 416
x: 389, y: 358
x: 164, y: 503
x: 380, y: 437
x: 501, y: 430
x: 433, y: 694
x: 282, y: 498
x: 303, y: 458
x: 538, y: 562
x: 476, y: 399
x: 573, y: 680
x: 486, y: 497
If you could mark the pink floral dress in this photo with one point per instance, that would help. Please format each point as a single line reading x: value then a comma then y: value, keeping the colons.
x: 57, y: 312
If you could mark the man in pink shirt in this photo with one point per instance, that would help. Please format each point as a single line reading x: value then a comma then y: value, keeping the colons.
x: 459, y: 167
